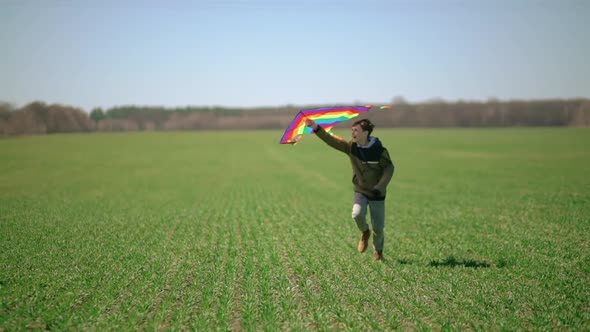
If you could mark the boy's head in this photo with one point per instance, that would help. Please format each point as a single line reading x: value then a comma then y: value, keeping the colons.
x: 361, y: 130
x: 365, y: 125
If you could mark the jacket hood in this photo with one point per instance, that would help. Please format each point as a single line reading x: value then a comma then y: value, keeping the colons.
x: 373, y: 141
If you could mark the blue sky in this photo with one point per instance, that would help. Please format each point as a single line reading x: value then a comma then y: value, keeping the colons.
x: 250, y: 53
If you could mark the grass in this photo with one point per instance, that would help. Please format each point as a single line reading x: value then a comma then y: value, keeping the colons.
x: 485, y: 229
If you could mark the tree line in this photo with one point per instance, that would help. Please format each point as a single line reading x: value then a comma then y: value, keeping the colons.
x: 41, y: 118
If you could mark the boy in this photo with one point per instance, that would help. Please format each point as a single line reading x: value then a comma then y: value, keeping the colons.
x: 372, y: 170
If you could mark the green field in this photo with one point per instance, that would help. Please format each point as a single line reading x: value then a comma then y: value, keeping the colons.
x: 485, y: 229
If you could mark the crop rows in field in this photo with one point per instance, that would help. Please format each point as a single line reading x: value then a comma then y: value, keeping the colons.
x: 231, y: 231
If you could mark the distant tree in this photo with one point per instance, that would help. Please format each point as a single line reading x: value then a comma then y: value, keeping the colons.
x: 5, y: 110
x: 581, y: 116
x: 436, y: 100
x: 399, y: 100
x: 4, y: 106
x: 5, y: 113
x: 97, y: 114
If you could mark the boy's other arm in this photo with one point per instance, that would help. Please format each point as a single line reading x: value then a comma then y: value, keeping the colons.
x: 388, y: 169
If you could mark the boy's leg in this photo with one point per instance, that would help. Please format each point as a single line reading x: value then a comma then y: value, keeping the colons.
x: 359, y: 214
x: 359, y: 211
x: 378, y: 223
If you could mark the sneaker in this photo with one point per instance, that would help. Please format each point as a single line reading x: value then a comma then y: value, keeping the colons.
x: 378, y: 255
x: 364, y: 241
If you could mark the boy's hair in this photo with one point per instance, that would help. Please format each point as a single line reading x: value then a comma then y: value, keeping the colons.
x: 365, y: 124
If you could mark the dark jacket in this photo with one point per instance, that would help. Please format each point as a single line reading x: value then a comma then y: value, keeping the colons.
x: 372, y: 167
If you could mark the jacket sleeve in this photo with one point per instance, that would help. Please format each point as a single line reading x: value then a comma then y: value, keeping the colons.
x: 388, y: 169
x: 332, y: 141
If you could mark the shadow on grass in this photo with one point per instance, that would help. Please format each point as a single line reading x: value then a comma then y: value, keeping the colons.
x: 391, y: 262
x: 453, y: 262
x: 450, y: 261
x: 402, y: 261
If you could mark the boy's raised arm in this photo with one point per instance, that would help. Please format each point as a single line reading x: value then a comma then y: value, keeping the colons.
x: 332, y: 141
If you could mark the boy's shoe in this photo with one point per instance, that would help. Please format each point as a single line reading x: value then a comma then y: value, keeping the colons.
x: 364, y: 241
x: 378, y: 255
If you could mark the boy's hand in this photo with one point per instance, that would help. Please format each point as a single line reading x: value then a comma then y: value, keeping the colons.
x: 311, y: 124
x: 377, y: 193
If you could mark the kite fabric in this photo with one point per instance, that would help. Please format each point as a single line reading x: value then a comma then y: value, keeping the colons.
x: 327, y: 118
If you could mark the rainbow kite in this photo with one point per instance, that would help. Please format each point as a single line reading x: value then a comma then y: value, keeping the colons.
x: 327, y: 118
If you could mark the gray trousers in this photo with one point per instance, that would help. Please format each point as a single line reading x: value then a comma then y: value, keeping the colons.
x: 359, y: 215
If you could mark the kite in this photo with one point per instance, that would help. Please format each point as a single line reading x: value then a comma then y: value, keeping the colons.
x: 326, y: 117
